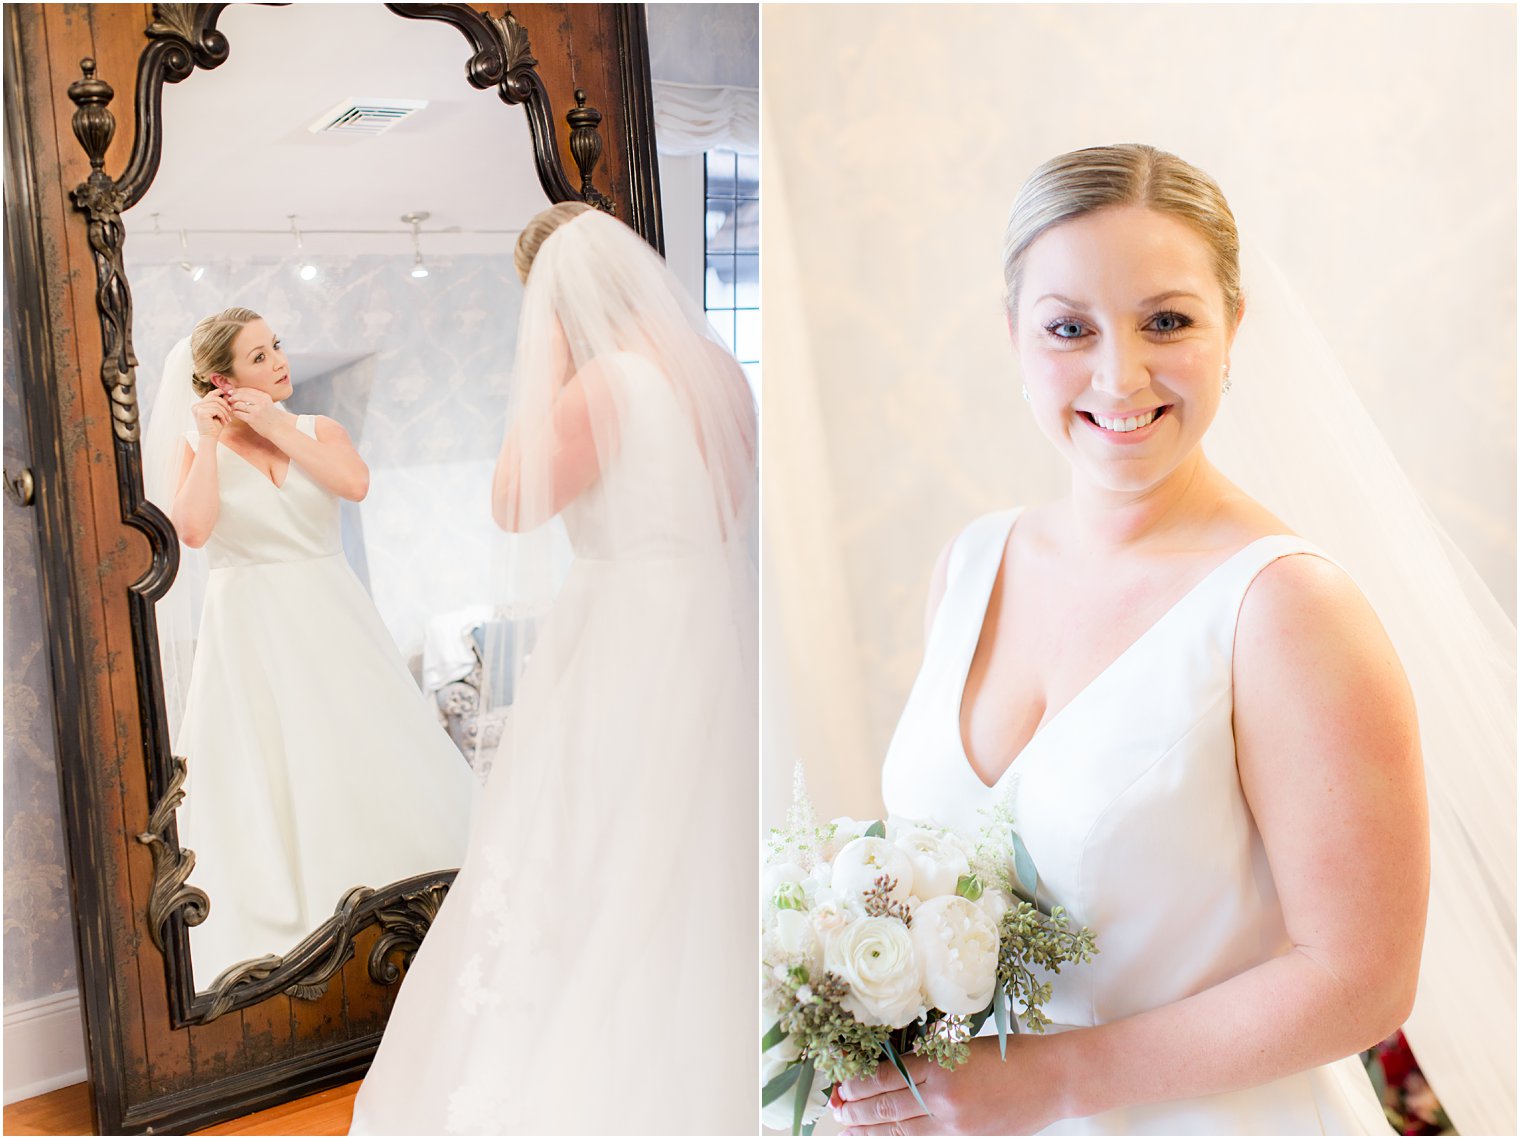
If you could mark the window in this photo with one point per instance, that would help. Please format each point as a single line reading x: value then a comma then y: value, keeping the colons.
x: 731, y: 289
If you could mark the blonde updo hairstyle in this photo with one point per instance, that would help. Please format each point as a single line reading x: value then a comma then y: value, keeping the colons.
x: 211, y: 345
x: 1129, y: 174
x: 537, y: 231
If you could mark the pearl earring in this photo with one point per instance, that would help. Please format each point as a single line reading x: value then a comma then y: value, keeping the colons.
x: 1025, y: 389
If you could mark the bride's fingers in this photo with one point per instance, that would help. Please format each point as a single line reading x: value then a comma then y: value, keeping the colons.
x: 923, y: 1125
x: 888, y: 1107
x: 886, y: 1078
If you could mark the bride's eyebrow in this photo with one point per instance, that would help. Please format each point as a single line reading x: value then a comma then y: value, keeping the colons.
x: 1170, y: 294
x: 1067, y: 301
x: 255, y: 348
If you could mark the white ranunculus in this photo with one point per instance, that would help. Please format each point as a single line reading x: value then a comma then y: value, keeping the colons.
x: 956, y: 946
x: 874, y: 956
x: 862, y: 861
x: 939, y: 859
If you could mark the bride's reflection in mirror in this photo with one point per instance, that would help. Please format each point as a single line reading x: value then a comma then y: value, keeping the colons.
x: 326, y: 367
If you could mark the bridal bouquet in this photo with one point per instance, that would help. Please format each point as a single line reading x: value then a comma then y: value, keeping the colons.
x: 885, y: 938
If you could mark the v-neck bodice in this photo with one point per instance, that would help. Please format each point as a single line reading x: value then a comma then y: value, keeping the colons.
x: 259, y: 521
x: 1127, y: 797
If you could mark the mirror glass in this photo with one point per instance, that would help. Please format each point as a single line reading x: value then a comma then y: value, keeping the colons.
x: 338, y: 176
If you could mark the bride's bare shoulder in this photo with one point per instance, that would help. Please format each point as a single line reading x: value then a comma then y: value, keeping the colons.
x: 1305, y: 627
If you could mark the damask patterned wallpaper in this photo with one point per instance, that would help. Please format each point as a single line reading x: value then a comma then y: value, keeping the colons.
x: 714, y: 45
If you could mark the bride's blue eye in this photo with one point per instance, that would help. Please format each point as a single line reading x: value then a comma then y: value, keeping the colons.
x: 1065, y: 329
x: 1170, y: 323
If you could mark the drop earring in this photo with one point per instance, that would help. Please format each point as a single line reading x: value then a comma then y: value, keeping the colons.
x: 1025, y: 389
x: 1225, y: 387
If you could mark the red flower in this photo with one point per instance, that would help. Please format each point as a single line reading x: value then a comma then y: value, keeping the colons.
x: 1397, y: 1060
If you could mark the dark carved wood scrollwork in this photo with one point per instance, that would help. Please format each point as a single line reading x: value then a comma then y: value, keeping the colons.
x: 171, y: 865
x: 403, y: 925
x: 504, y: 60
x: 100, y: 198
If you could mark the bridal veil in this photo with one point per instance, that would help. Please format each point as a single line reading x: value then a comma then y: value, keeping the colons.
x: 1293, y: 434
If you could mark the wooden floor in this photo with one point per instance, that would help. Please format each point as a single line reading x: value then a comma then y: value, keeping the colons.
x: 67, y: 1112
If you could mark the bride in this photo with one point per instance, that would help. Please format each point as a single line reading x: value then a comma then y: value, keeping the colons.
x: 1200, y: 722
x: 604, y: 916
x: 313, y: 763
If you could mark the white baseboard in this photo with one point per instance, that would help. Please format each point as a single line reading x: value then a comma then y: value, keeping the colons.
x: 44, y: 1046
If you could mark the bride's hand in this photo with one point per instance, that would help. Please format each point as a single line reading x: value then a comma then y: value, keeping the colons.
x: 256, y: 409
x: 984, y: 1096
x: 211, y: 415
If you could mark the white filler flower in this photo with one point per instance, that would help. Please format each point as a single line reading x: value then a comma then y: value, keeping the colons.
x: 956, y: 945
x: 874, y: 956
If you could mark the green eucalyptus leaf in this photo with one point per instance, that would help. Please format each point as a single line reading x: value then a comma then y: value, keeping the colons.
x: 772, y: 1038
x: 975, y: 1021
x: 1024, y: 867
x: 902, y: 1070
x: 1000, y: 1013
x: 1379, y: 1079
x: 878, y: 829
x: 804, y: 1086
x: 778, y: 1085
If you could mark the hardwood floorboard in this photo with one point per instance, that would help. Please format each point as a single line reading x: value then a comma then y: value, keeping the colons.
x: 67, y: 1112
x: 64, y: 1112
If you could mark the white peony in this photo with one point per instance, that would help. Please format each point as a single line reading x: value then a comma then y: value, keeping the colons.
x: 862, y: 861
x: 874, y: 956
x: 956, y: 946
x: 846, y: 831
x: 939, y: 859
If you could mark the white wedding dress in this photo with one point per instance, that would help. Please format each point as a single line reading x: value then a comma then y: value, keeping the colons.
x: 1130, y: 805
x: 314, y: 762
x: 592, y: 968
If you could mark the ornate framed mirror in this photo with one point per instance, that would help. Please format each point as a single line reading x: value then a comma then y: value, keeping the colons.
x: 557, y: 96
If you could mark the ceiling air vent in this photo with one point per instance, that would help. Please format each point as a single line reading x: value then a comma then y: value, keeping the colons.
x: 366, y: 116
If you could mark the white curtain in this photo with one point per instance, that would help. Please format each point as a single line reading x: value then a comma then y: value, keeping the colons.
x: 692, y: 119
